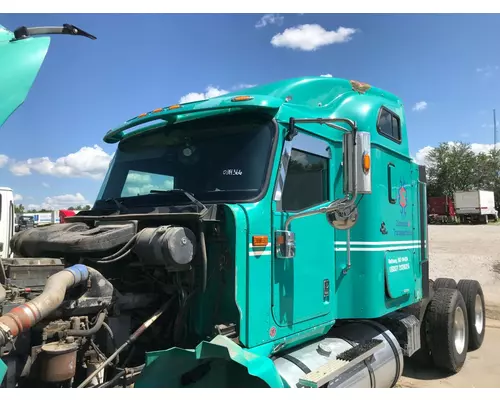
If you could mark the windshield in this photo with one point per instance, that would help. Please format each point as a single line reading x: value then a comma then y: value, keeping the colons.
x: 217, y: 160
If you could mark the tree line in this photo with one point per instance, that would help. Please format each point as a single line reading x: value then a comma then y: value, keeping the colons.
x: 19, y: 209
x: 455, y: 167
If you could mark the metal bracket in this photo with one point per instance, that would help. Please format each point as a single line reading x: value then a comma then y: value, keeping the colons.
x: 23, y: 32
x: 406, y: 329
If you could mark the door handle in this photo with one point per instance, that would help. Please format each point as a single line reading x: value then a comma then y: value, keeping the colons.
x: 390, y: 166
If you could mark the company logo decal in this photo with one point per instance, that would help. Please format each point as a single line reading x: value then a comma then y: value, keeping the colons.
x: 402, y: 198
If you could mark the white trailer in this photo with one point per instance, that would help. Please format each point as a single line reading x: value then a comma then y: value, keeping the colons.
x: 476, y: 205
x: 44, y: 218
x: 7, y: 220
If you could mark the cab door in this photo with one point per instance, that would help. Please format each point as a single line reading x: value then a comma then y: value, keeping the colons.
x: 302, y: 285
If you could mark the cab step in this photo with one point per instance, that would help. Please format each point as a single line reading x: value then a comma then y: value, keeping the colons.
x: 341, y: 363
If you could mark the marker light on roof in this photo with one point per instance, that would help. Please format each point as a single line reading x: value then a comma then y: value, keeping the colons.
x: 142, y: 115
x: 157, y: 110
x: 174, y: 107
x: 242, y: 98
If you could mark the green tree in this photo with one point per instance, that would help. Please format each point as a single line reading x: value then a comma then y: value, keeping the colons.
x: 455, y: 167
x: 19, y: 209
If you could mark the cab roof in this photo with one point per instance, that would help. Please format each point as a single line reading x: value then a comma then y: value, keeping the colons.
x: 312, y: 96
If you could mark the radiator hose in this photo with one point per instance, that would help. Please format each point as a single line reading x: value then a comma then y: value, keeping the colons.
x: 30, y: 313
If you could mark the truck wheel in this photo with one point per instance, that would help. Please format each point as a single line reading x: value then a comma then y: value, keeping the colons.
x: 474, y: 301
x: 448, y: 329
x: 444, y: 283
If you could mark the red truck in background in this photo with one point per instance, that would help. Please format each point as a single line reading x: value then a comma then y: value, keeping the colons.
x: 63, y: 214
x: 440, y: 210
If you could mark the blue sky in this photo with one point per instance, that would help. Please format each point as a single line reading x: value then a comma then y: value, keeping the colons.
x: 446, y: 63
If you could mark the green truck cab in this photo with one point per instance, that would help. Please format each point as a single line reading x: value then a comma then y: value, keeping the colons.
x: 288, y: 224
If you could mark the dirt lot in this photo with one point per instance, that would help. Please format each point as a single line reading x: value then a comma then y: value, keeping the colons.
x: 467, y: 252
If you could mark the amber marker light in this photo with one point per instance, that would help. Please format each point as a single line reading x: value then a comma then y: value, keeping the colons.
x: 260, y: 240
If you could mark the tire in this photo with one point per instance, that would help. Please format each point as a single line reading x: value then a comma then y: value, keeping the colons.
x: 476, y: 314
x: 447, y: 283
x: 448, y: 339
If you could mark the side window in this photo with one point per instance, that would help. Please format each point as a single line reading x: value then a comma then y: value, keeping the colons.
x: 389, y: 125
x: 306, y: 183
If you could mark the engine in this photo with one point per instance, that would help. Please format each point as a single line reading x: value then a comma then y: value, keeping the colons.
x: 78, y: 300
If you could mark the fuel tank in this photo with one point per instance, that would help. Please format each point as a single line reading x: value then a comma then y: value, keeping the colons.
x: 382, y: 370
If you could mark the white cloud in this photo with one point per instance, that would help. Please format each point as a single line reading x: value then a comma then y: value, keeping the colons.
x: 310, y: 37
x: 488, y: 70
x: 20, y: 169
x: 420, y: 106
x: 45, y: 184
x: 243, y: 86
x: 270, y: 19
x: 18, y: 197
x: 327, y: 75
x: 210, y: 92
x: 489, y: 126
x: 88, y: 162
x: 61, y: 202
x: 3, y: 160
x: 423, y: 153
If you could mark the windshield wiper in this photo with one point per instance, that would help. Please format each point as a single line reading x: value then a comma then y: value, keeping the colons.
x: 119, y: 204
x: 185, y: 193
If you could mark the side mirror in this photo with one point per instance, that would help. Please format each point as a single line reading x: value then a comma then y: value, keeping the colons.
x: 357, y: 163
x: 285, y: 244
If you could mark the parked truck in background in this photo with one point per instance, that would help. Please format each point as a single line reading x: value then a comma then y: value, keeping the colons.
x: 44, y: 218
x: 441, y: 210
x: 475, y: 206
x: 7, y: 219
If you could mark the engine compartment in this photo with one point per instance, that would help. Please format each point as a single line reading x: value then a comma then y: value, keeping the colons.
x: 140, y: 269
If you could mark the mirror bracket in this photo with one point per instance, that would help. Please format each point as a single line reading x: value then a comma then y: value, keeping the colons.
x: 285, y: 244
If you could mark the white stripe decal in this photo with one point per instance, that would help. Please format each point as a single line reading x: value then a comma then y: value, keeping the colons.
x: 377, y: 248
x: 260, y: 253
x: 397, y: 242
x: 259, y: 250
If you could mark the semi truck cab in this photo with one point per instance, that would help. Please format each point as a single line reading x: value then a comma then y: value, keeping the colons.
x: 282, y: 229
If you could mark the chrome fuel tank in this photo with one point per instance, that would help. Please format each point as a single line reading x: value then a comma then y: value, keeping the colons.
x: 382, y: 370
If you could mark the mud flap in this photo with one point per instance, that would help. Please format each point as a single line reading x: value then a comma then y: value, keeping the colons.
x: 20, y: 62
x: 220, y: 363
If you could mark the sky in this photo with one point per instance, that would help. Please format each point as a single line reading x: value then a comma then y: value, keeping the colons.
x: 445, y: 68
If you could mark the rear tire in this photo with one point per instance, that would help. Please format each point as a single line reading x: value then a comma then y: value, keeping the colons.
x: 474, y: 301
x: 448, y: 329
x: 447, y: 283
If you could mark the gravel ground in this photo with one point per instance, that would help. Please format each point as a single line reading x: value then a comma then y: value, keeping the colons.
x: 468, y: 251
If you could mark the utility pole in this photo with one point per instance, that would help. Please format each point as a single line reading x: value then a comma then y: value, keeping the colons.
x: 494, y: 130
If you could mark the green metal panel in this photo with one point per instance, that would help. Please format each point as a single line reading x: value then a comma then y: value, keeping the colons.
x: 3, y: 371
x: 219, y: 363
x: 298, y: 283
x: 20, y: 62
